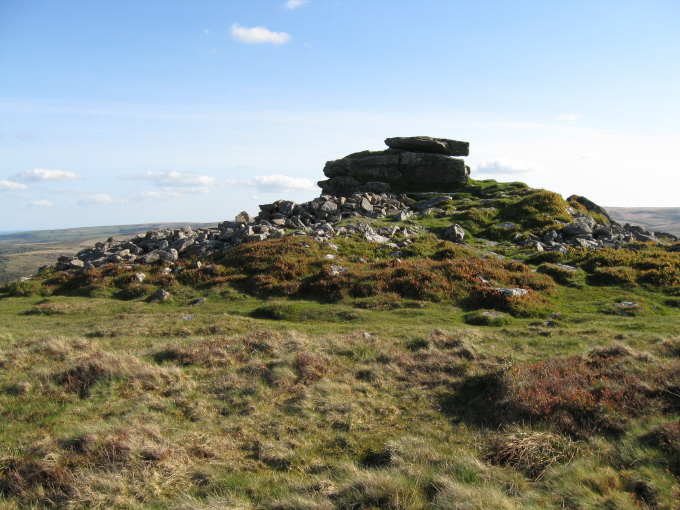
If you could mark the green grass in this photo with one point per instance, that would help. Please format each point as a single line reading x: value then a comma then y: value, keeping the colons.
x: 285, y: 390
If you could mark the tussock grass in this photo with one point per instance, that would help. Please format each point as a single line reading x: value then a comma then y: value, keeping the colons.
x: 531, y: 452
x: 384, y: 386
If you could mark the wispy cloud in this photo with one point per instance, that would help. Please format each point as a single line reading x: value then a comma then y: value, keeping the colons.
x: 188, y: 182
x: 258, y: 35
x: 159, y: 195
x: 45, y: 175
x: 11, y: 186
x: 98, y: 199
x: 294, y: 4
x: 40, y: 203
x: 277, y: 183
x: 506, y: 167
x: 569, y: 117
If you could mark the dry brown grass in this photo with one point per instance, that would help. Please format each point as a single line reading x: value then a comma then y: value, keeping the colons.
x: 136, y: 376
x: 531, y: 452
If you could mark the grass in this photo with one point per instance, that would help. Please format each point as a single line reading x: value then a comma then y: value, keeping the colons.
x: 410, y: 384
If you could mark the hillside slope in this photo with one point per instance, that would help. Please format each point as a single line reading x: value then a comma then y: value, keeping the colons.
x: 495, y: 347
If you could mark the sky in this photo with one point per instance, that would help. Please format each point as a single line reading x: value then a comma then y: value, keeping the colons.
x: 135, y: 111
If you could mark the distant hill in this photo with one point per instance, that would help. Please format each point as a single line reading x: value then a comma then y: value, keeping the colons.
x: 22, y: 253
x: 654, y: 219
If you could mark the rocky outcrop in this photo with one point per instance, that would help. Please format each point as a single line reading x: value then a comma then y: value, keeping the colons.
x: 358, y: 188
x: 429, y: 144
x: 417, y: 163
x: 584, y: 232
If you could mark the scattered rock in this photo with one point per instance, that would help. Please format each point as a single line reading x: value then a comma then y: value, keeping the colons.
x: 565, y: 267
x: 454, y: 233
x: 162, y: 295
x: 244, y: 217
x: 511, y: 292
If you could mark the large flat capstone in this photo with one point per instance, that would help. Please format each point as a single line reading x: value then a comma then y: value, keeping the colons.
x: 429, y: 144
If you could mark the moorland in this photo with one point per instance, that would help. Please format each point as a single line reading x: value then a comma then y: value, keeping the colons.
x: 410, y: 379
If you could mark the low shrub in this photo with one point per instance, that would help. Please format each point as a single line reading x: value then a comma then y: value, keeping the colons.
x: 487, y: 318
x: 546, y: 257
x: 624, y: 276
x: 629, y: 307
x: 387, y: 301
x: 531, y: 304
x: 24, y: 289
x: 537, y: 211
x: 133, y: 291
x: 666, y: 437
x: 559, y: 273
x: 274, y: 311
x: 597, y: 392
x: 661, y: 277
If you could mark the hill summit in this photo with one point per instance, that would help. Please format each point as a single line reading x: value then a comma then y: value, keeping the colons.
x: 364, y: 185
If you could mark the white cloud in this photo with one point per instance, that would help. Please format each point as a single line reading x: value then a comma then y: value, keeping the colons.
x: 190, y: 182
x: 294, y: 4
x: 277, y: 183
x: 159, y: 195
x: 99, y: 198
x: 11, y: 186
x: 258, y: 35
x: 40, y: 203
x: 569, y: 116
x: 506, y: 167
x: 43, y: 174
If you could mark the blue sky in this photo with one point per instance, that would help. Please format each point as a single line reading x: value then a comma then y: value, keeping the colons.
x: 121, y: 111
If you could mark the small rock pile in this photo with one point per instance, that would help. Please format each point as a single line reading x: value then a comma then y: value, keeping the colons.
x: 417, y: 163
x: 314, y: 218
x: 585, y: 232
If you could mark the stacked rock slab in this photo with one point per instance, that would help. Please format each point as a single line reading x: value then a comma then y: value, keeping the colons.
x: 416, y: 163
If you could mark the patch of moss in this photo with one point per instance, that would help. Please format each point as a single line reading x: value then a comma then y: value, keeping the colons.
x: 539, y: 210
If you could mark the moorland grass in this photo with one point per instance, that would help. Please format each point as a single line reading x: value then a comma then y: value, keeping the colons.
x: 403, y: 383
